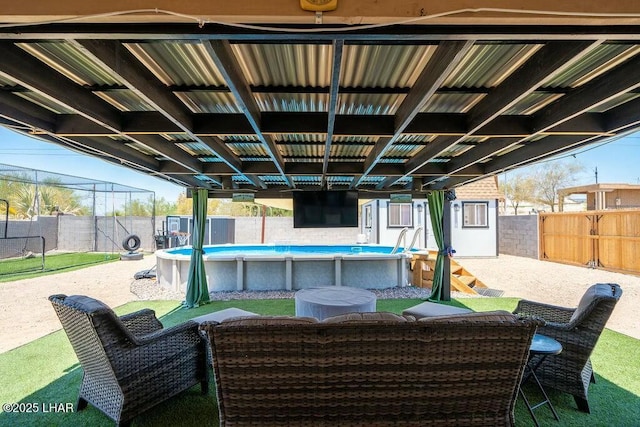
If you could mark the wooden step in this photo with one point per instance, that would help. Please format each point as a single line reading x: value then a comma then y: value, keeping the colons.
x: 467, y: 280
x: 457, y: 285
x: 455, y: 268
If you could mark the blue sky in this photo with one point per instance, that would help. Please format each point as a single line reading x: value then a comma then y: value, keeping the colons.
x: 19, y: 150
x: 616, y: 162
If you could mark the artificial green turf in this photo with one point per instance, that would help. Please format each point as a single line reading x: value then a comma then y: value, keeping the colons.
x: 46, y: 371
x: 18, y: 269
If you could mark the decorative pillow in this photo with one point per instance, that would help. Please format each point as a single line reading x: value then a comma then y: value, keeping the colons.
x: 369, y: 317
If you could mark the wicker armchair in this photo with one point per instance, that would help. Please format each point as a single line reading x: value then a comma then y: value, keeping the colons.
x: 130, y: 363
x: 578, y: 330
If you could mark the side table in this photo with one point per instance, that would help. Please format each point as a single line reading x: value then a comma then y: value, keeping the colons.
x: 332, y: 301
x: 543, y: 346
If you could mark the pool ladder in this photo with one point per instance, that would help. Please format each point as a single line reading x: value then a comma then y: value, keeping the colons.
x: 403, y: 237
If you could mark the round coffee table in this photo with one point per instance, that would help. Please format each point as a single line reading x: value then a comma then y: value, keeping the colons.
x: 332, y: 301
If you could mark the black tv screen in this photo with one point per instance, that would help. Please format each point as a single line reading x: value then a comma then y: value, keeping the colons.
x: 325, y: 209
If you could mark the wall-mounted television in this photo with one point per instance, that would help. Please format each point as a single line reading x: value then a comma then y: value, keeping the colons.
x: 325, y: 209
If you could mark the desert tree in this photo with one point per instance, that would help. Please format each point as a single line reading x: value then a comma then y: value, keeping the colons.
x: 517, y: 189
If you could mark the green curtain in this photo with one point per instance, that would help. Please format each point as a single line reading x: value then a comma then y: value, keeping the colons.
x: 436, y: 212
x: 197, y: 290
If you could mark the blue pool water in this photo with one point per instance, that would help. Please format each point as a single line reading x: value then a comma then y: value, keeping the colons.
x: 241, y: 250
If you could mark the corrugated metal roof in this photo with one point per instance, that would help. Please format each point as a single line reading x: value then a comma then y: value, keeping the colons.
x: 300, y: 137
x: 70, y: 62
x: 238, y: 138
x: 292, y: 102
x: 339, y: 151
x: 382, y: 79
x: 247, y: 148
x: 196, y: 149
x: 306, y: 180
x: 457, y: 150
x: 174, y: 137
x: 285, y: 64
x: 415, y: 139
x: 452, y: 102
x: 383, y: 65
x: 366, y: 140
x: 618, y: 100
x: 178, y: 63
x: 124, y: 100
x: 336, y: 179
x: 368, y: 103
x: 302, y: 150
x: 595, y: 63
x: 202, y: 101
x: 487, y: 65
x: 532, y: 103
x: 404, y: 151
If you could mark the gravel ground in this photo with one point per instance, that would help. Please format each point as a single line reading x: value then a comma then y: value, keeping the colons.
x: 26, y: 313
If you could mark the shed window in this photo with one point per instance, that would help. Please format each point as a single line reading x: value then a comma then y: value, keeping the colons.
x: 475, y: 214
x: 400, y: 214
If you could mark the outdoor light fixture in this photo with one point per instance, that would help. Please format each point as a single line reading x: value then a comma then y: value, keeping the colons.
x: 319, y: 5
x: 456, y: 209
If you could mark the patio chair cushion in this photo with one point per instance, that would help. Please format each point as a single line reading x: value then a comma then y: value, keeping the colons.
x: 483, y: 316
x: 86, y: 304
x: 268, y: 321
x: 368, y: 317
x: 430, y: 309
x: 599, y: 290
x: 225, y: 314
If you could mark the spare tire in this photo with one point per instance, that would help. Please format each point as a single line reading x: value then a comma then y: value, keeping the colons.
x: 131, y: 243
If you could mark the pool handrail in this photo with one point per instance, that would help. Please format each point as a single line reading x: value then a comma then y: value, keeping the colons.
x: 402, y: 235
x: 413, y: 241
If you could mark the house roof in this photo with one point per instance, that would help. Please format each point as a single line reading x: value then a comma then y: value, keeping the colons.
x: 593, y: 188
x: 287, y: 104
x: 486, y: 188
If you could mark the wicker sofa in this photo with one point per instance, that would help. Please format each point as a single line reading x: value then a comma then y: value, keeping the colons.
x: 369, y: 369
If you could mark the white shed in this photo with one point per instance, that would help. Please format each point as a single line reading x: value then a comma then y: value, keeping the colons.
x: 474, y: 221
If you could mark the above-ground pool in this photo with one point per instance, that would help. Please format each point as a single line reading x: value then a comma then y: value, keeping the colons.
x: 286, y: 267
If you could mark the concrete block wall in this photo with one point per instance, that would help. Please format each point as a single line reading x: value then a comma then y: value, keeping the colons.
x: 46, y: 226
x: 103, y: 234
x: 518, y: 235
x: 280, y: 229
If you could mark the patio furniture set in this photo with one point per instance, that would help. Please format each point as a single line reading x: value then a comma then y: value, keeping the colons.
x: 432, y: 365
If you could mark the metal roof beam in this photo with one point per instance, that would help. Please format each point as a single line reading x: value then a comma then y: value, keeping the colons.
x: 338, y: 46
x: 447, y: 56
x: 551, y: 60
x: 229, y: 67
x: 124, y: 67
x: 453, y: 124
x: 618, y: 81
x: 27, y: 71
x: 25, y: 112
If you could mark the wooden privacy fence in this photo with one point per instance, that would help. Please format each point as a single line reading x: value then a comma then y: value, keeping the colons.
x: 600, y: 239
